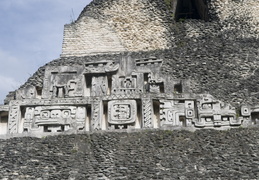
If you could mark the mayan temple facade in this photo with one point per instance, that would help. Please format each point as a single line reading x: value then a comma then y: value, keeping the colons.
x: 101, y: 82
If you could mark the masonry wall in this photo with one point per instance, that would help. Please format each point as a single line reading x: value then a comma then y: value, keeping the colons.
x: 204, y: 154
x: 115, y: 25
x: 237, y: 16
x: 90, y: 36
x: 144, y: 25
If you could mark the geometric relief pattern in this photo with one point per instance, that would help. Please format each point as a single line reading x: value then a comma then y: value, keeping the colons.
x: 122, y: 112
x: 13, y: 119
x: 60, y: 118
x: 147, y: 112
x: 97, y: 113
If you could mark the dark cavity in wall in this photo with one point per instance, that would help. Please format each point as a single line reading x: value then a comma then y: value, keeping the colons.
x: 191, y: 9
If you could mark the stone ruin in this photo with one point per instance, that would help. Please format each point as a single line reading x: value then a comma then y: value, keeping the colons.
x: 115, y: 94
x: 81, y: 92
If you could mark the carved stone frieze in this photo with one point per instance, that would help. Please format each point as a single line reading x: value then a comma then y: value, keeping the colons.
x: 97, y: 114
x: 29, y: 92
x: 147, y: 112
x: 99, y: 86
x: 117, y: 94
x: 155, y: 84
x: 122, y: 112
x: 101, y: 67
x: 13, y: 120
x: 133, y: 84
x: 54, y: 118
x: 63, y: 82
x: 214, y: 113
x: 177, y: 112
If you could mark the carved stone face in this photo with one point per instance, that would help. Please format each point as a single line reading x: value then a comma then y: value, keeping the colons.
x: 66, y: 114
x: 121, y: 112
x: 55, y: 114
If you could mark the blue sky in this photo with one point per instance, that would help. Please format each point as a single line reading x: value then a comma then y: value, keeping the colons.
x: 31, y: 34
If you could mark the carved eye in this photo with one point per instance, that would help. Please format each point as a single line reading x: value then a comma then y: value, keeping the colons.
x: 189, y: 113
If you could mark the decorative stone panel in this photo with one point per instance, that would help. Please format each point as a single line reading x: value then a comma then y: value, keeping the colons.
x: 54, y: 118
x: 122, y: 112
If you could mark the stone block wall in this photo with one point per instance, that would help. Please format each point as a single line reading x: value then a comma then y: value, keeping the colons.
x: 239, y: 17
x: 161, y: 154
x: 139, y: 25
x: 114, y: 25
x: 90, y: 36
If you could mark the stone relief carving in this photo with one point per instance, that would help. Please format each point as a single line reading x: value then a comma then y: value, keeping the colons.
x: 156, y: 85
x: 213, y: 113
x: 178, y: 112
x: 29, y: 92
x: 99, y: 85
x: 152, y: 61
x: 54, y: 118
x: 122, y: 94
x: 13, y: 119
x: 97, y: 114
x: 101, y: 67
x: 250, y: 114
x: 127, y: 84
x: 63, y: 82
x: 147, y: 112
x: 122, y: 112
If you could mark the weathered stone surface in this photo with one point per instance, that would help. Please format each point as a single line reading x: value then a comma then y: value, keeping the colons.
x: 170, y: 87
x: 203, y: 154
x: 110, y: 26
x: 127, y: 91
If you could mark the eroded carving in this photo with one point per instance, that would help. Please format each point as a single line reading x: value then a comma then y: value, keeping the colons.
x: 99, y: 86
x: 178, y: 112
x: 147, y: 112
x: 128, y: 84
x: 215, y: 113
x: 63, y: 82
x: 156, y: 85
x: 97, y: 114
x: 14, y: 117
x: 101, y: 67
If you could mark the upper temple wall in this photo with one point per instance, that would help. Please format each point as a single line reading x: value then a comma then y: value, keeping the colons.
x: 115, y: 26
x: 143, y: 25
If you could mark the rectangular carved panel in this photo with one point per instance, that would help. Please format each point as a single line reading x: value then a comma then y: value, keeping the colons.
x: 14, y: 116
x: 56, y: 118
x: 122, y: 112
x: 97, y: 113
